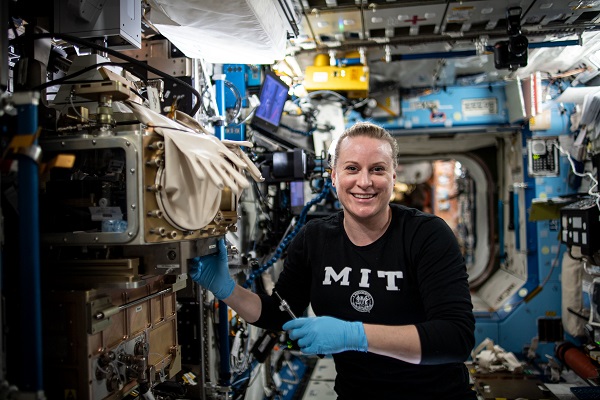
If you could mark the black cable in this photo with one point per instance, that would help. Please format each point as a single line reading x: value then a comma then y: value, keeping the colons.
x: 132, y: 122
x: 569, y: 309
x: 65, y: 78
x: 170, y: 127
x: 580, y: 259
x: 92, y: 45
x: 210, y: 112
x: 243, y: 379
x: 297, y: 131
x: 74, y: 82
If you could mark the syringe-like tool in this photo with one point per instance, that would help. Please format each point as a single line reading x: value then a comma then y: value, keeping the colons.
x: 284, y: 306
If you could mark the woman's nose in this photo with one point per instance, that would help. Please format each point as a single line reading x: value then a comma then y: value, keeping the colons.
x: 364, y: 179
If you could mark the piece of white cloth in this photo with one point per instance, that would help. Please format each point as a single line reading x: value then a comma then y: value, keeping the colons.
x: 232, y: 31
x: 188, y: 199
x: 572, y: 295
x: 220, y: 165
x: 252, y: 169
x: 197, y: 167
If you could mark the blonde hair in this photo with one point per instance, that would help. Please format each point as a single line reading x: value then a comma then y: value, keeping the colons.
x: 367, y: 129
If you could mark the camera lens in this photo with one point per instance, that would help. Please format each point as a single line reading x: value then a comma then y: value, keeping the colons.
x: 517, y: 45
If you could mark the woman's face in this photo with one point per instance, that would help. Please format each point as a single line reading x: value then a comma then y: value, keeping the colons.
x: 364, y: 177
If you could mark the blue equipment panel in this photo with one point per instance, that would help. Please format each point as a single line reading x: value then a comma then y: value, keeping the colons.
x: 235, y: 132
x: 451, y: 107
x: 236, y: 74
x: 513, y: 329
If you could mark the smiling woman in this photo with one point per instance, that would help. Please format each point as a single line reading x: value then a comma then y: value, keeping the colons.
x: 387, y: 284
x: 364, y: 175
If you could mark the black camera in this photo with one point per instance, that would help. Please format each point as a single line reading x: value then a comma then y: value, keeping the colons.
x: 512, y: 53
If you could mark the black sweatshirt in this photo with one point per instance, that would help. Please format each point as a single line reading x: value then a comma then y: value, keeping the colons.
x: 413, y: 274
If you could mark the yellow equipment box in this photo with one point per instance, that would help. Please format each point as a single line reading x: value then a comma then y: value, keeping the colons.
x: 353, y: 80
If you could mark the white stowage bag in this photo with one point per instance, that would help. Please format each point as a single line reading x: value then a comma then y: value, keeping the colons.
x: 222, y: 32
x: 197, y: 168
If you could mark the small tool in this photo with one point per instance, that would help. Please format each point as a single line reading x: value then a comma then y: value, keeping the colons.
x: 284, y: 306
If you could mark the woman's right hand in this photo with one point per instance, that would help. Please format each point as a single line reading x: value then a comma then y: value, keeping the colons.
x: 212, y: 272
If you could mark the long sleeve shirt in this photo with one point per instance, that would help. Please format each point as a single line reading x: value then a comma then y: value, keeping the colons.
x: 413, y: 275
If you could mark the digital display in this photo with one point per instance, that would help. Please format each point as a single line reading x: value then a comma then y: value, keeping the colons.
x: 297, y: 194
x: 273, y: 95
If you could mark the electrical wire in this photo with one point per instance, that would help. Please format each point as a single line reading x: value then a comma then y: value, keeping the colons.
x: 97, y: 47
x: 286, y: 241
x: 77, y: 112
x: 322, y: 92
x: 594, y: 184
x: 296, y: 379
x: 299, y: 132
x: 83, y: 71
x: 250, y: 115
x: 238, y: 99
x: 169, y: 127
x: 544, y: 282
x: 591, y: 297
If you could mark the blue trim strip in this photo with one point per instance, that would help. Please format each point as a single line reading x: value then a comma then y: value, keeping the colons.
x: 220, y: 98
x: 515, y: 217
x: 501, y: 229
x: 31, y: 378
x: 224, y: 365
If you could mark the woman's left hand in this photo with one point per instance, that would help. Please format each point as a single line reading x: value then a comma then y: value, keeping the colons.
x: 327, y: 335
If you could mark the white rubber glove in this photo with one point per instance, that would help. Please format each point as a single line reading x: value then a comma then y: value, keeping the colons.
x: 221, y: 164
x: 189, y: 199
x: 210, y: 152
x: 150, y: 118
x: 197, y: 168
x: 237, y: 155
x: 235, y: 146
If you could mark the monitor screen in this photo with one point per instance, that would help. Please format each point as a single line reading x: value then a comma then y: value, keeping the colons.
x: 297, y: 196
x: 273, y: 95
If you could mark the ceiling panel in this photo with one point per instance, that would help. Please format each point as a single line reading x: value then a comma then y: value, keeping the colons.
x: 422, y: 40
x: 396, y: 20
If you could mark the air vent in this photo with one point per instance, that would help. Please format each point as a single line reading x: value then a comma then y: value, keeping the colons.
x: 559, y: 19
x: 401, y: 31
x: 479, y: 26
x: 502, y: 24
x: 587, y: 16
x: 533, y: 20
x: 453, y: 27
x: 426, y: 29
x: 376, y: 33
x: 317, y: 3
x: 550, y: 330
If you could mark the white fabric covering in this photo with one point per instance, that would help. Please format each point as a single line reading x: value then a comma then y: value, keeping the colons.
x: 220, y: 32
x: 572, y: 295
x: 197, y: 167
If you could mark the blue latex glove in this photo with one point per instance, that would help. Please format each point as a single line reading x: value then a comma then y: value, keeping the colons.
x: 327, y: 335
x: 212, y: 272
